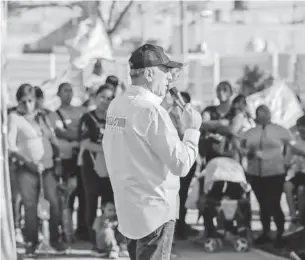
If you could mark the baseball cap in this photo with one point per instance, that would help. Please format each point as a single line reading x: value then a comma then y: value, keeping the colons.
x: 150, y: 55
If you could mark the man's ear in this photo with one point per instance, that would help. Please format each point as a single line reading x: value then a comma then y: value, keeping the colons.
x: 149, y: 74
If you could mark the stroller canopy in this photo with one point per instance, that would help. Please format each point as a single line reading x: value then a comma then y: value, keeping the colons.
x: 223, y: 169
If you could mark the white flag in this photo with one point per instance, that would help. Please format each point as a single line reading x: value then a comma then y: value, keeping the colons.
x: 282, y: 102
x: 91, y: 42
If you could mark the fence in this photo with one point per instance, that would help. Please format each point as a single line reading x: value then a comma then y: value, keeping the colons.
x: 199, y: 78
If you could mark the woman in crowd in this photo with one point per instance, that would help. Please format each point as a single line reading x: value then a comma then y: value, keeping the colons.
x: 30, y: 143
x: 211, y: 142
x: 239, y: 117
x: 94, y: 172
x: 65, y: 121
x: 265, y: 148
x: 212, y: 118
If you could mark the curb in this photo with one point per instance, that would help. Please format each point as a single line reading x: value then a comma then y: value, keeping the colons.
x: 268, y: 255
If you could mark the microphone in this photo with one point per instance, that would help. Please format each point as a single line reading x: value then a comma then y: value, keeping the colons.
x: 177, y: 97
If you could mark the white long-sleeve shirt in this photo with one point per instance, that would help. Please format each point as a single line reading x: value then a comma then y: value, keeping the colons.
x: 145, y: 158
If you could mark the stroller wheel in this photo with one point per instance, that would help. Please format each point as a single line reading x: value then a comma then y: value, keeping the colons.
x: 219, y: 243
x: 211, y: 245
x: 241, y: 245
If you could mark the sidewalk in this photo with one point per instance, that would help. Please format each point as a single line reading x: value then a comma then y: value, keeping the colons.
x: 183, y: 250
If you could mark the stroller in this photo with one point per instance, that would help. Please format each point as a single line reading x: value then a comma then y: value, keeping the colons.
x: 224, y: 196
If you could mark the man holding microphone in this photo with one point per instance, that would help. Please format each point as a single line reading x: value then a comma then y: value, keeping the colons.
x: 145, y: 156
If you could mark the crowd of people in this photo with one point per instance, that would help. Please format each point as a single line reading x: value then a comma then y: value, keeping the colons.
x: 67, y: 143
x: 271, y: 155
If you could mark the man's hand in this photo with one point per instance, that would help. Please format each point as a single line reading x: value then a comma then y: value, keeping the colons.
x: 34, y: 167
x: 191, y: 118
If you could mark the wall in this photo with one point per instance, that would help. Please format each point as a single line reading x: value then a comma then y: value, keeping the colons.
x: 199, y: 77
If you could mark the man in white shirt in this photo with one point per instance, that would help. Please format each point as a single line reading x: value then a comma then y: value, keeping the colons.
x: 145, y: 156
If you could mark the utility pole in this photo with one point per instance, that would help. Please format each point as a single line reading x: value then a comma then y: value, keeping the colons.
x: 183, y: 32
x: 142, y: 25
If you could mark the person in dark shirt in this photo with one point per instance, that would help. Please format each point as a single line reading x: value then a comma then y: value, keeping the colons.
x: 211, y: 117
x: 93, y: 170
x: 211, y: 142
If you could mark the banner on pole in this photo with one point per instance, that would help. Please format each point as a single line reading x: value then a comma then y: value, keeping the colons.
x: 284, y: 106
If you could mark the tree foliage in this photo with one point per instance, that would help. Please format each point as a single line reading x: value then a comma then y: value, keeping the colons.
x: 117, y: 11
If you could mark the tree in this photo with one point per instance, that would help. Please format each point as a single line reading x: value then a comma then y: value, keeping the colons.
x: 117, y: 10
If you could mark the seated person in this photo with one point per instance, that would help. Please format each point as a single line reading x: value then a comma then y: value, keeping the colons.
x: 109, y: 242
x: 295, y: 184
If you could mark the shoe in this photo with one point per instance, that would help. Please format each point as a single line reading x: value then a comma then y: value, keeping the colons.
x: 279, y: 242
x: 262, y: 239
x: 180, y: 231
x: 40, y: 236
x: 123, y: 251
x: 191, y: 231
x: 113, y: 255
x: 79, y: 235
x: 30, y: 249
x: 59, y: 247
x: 293, y: 228
x: 98, y: 253
x: 19, y: 236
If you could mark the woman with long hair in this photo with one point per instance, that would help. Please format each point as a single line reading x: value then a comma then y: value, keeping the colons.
x: 212, y: 117
x: 93, y: 170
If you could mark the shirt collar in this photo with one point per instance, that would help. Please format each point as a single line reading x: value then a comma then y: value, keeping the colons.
x: 141, y: 91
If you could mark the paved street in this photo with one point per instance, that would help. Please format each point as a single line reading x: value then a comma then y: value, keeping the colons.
x: 189, y: 251
x: 183, y: 250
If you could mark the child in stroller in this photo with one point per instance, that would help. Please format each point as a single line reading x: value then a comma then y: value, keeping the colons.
x: 226, y: 198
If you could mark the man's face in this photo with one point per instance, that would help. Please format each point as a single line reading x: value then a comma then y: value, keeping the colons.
x: 263, y: 115
x: 160, y: 80
x: 66, y: 94
x: 27, y: 104
x: 223, y: 93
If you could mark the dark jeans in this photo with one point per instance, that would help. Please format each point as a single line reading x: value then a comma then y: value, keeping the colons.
x: 29, y: 184
x: 183, y: 192
x: 94, y: 187
x: 155, y: 246
x: 16, y: 196
x: 70, y: 168
x: 268, y: 192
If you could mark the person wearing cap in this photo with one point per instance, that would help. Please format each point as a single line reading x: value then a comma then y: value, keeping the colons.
x: 149, y: 155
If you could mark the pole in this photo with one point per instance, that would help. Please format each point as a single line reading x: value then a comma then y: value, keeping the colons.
x: 183, y: 31
x: 8, y: 241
